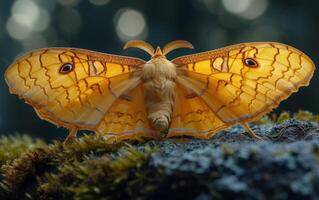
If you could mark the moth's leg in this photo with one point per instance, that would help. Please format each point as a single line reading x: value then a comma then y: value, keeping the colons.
x: 191, y: 95
x: 250, y: 132
x: 72, y: 135
x: 126, y: 97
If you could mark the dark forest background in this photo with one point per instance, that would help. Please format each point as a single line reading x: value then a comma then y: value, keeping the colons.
x: 105, y: 25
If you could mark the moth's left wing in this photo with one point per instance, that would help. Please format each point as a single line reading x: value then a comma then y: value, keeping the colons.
x: 72, y: 87
x: 127, y: 118
x: 241, y: 83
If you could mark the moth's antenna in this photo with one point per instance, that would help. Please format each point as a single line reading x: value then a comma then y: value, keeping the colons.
x: 176, y: 45
x: 141, y: 45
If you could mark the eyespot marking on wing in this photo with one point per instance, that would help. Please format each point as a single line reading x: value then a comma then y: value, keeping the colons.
x: 66, y: 68
x: 250, y: 62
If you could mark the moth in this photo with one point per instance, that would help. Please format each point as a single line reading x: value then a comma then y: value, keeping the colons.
x: 129, y: 98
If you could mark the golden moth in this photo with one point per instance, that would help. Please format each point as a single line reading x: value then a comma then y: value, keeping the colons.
x: 128, y: 98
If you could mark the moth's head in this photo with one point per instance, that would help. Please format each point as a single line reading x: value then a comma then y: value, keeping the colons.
x: 158, y: 53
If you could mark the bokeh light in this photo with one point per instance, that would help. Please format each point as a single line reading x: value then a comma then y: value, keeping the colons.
x: 246, y: 9
x: 255, y: 9
x: 25, y: 12
x: 236, y: 6
x: 27, y: 17
x: 130, y: 24
x: 17, y: 31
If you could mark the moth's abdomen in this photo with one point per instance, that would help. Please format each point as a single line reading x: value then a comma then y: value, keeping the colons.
x: 159, y: 87
x: 159, y: 101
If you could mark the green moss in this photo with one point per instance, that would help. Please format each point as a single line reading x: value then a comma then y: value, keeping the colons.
x: 306, y: 116
x: 283, y: 116
x: 264, y: 120
x: 13, y: 146
x: 77, y: 170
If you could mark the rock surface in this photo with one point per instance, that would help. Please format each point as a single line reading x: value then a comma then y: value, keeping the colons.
x: 233, y: 166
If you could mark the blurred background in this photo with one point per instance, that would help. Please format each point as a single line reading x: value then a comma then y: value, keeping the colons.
x: 105, y: 25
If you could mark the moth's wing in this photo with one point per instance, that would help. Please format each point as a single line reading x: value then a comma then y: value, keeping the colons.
x: 80, y: 98
x: 192, y: 116
x: 237, y: 93
x: 127, y: 118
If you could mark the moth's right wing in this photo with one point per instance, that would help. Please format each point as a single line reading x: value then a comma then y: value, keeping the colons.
x: 240, y: 83
x: 192, y: 116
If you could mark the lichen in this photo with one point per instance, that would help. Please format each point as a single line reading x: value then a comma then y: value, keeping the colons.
x: 283, y: 116
x: 229, y: 165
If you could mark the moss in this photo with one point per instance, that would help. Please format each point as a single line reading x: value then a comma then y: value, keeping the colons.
x: 13, y: 146
x: 283, y: 116
x: 57, y: 170
x: 306, y: 116
x: 230, y: 165
x: 94, y: 177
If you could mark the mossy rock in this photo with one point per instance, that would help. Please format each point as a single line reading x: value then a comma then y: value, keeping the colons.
x: 227, y: 166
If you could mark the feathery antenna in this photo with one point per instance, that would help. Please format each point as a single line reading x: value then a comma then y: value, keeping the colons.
x: 176, y: 45
x: 140, y: 45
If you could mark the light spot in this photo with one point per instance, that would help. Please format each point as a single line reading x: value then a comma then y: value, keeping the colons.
x: 236, y: 6
x: 99, y: 2
x: 246, y: 9
x: 25, y: 12
x: 17, y: 31
x: 27, y: 17
x: 130, y: 24
x: 255, y: 10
